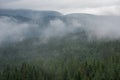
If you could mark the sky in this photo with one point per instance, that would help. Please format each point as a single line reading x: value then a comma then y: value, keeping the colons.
x: 99, y: 7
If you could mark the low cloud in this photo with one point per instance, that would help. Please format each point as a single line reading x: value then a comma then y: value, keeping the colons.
x: 66, y: 6
x: 107, y: 28
x: 58, y: 28
x: 110, y: 10
x: 11, y: 30
x: 100, y: 28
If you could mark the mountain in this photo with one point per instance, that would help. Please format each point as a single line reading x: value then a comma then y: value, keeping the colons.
x: 28, y: 14
x: 47, y: 33
x: 43, y: 17
x: 47, y: 45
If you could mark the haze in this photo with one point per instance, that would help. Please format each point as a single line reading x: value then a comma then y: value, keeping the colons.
x: 99, y: 7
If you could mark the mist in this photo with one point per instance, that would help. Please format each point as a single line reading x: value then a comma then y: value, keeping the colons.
x: 106, y: 28
x: 12, y: 30
x: 58, y: 28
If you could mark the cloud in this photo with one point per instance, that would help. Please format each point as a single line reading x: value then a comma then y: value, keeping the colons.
x: 87, y: 6
x: 104, y: 28
x: 11, y: 30
x: 110, y: 10
x: 97, y: 27
x: 5, y: 2
x: 58, y: 28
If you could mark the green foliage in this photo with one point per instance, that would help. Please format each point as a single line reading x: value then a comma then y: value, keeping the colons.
x: 72, y: 69
x: 67, y: 60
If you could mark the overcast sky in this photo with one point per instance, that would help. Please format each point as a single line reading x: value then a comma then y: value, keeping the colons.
x: 111, y: 7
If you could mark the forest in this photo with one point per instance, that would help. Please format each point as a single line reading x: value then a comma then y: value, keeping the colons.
x: 96, y: 60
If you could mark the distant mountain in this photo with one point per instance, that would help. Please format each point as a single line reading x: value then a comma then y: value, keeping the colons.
x: 43, y: 17
x: 27, y: 13
x: 28, y: 35
x: 52, y: 23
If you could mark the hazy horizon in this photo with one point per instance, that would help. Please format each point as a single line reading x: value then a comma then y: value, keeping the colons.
x: 98, y: 7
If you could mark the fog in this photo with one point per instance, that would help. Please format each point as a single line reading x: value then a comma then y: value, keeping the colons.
x: 11, y: 30
x: 104, y: 29
x: 58, y: 28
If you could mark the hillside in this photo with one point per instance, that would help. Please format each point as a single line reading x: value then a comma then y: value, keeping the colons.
x: 47, y: 45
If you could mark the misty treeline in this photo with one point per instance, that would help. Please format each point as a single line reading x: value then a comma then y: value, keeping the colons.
x: 72, y: 69
x: 68, y: 61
